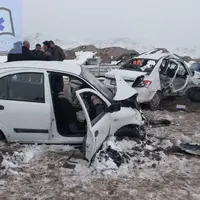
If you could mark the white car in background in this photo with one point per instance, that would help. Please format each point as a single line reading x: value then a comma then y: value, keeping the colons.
x: 155, y: 75
x: 62, y: 103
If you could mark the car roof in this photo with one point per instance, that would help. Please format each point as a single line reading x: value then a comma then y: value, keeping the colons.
x: 65, y: 66
x: 155, y: 56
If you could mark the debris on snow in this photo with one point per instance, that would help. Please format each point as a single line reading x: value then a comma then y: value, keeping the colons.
x: 180, y: 107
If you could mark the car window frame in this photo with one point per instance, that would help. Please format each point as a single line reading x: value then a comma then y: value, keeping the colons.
x: 100, y: 115
x: 170, y: 61
x: 94, y: 121
x: 8, y: 77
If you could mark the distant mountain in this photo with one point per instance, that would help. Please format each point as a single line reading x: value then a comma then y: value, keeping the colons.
x: 128, y: 43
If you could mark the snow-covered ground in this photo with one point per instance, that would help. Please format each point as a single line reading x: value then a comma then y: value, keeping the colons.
x: 139, y: 169
x: 127, y: 169
x: 81, y: 56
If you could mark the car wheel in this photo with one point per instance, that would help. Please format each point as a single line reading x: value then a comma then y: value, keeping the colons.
x: 2, y: 136
x: 194, y: 95
x: 155, y: 102
x: 128, y: 131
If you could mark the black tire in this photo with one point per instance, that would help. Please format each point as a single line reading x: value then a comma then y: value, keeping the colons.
x: 154, y: 104
x: 128, y: 131
x: 194, y: 95
x: 2, y: 136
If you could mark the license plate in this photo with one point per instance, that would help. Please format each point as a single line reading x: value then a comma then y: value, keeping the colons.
x: 113, y: 82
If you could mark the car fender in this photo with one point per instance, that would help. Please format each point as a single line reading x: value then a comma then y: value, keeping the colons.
x: 152, y: 94
x: 126, y: 116
x: 155, y: 78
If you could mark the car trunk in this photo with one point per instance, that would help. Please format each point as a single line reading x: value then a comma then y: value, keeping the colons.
x: 127, y: 75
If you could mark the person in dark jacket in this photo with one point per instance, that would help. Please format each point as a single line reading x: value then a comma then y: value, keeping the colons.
x: 27, y: 54
x: 46, y: 47
x: 57, y: 52
x: 13, y: 55
x: 38, y: 51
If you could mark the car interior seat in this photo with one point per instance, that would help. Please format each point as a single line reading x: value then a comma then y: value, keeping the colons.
x: 65, y: 112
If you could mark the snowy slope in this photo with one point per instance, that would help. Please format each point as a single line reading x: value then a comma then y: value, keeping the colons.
x: 138, y: 45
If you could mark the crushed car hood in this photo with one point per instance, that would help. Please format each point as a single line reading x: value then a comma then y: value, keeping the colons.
x: 125, y: 74
x: 124, y: 90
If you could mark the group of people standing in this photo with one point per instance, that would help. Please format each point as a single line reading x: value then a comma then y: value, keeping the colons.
x: 48, y: 52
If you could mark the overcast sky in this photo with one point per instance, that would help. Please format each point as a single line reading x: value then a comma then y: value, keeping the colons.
x: 159, y: 22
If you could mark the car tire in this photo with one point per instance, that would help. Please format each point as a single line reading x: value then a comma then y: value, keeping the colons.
x: 2, y: 136
x: 154, y: 104
x: 128, y: 131
x: 194, y: 95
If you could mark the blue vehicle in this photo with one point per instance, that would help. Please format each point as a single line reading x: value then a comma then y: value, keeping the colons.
x: 195, y: 67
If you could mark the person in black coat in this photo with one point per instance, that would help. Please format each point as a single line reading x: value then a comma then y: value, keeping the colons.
x: 13, y: 55
x: 38, y: 51
x: 57, y: 52
x: 26, y: 54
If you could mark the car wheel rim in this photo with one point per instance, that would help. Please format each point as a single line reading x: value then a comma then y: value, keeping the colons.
x: 155, y: 101
x: 197, y: 95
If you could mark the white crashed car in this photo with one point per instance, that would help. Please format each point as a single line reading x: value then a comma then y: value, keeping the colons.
x: 157, y: 75
x: 60, y: 102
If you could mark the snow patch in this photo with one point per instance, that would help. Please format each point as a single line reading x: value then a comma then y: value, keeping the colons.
x: 82, y: 56
x: 3, y: 59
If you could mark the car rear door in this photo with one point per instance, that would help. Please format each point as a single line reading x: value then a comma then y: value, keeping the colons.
x: 98, y: 129
x: 25, y: 112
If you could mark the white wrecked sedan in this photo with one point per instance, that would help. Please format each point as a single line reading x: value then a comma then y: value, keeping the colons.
x: 61, y: 102
x: 155, y: 75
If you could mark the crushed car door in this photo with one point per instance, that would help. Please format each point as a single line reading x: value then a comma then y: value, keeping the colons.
x: 180, y: 79
x: 98, y: 127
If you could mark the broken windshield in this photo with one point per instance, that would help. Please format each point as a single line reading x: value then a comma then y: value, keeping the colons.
x: 140, y: 64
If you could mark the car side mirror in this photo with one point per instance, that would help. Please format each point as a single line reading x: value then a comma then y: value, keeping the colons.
x: 114, y: 108
x: 192, y: 72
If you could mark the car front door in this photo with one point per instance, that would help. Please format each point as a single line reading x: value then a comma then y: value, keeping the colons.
x: 180, y: 79
x: 98, y: 126
x: 25, y: 113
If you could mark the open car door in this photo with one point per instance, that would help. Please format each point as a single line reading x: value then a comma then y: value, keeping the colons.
x: 98, y: 127
x: 179, y: 76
